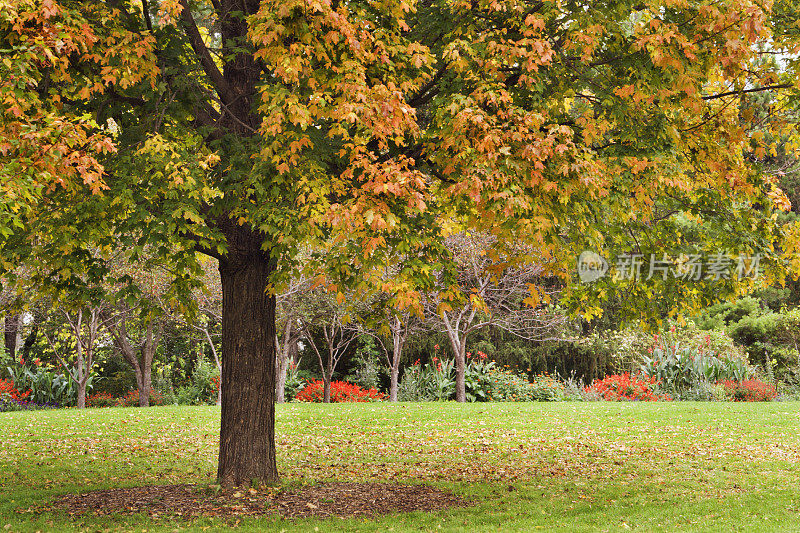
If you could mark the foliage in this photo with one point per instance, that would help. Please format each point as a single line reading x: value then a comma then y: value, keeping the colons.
x: 49, y: 386
x: 368, y: 370
x: 506, y: 386
x: 546, y: 388
x: 130, y: 399
x: 684, y: 370
x: 101, y: 399
x: 162, y: 385
x: 617, y: 388
x: 430, y: 382
x: 341, y: 391
x: 568, y: 124
x: 9, y: 404
x: 296, y: 379
x: 770, y: 337
x: 476, y: 377
x: 202, y: 389
x: 751, y: 390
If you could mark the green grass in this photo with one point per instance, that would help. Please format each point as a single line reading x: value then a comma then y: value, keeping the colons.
x: 555, y: 467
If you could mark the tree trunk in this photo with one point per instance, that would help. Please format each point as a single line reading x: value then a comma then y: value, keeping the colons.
x: 397, y: 352
x: 82, y: 394
x: 144, y: 385
x: 12, y: 334
x: 393, y: 383
x: 461, y: 371
x: 459, y: 345
x: 283, y: 362
x: 326, y: 391
x: 247, y: 432
x: 30, y: 340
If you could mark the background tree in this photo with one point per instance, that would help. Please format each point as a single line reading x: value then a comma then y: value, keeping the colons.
x: 290, y: 326
x: 391, y: 326
x: 328, y: 327
x: 85, y: 324
x: 494, y: 289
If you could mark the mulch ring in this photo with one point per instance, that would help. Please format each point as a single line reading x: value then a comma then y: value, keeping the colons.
x: 321, y: 500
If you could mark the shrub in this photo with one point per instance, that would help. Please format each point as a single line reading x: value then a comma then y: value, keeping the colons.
x: 506, y: 386
x: 684, y: 371
x: 624, y: 387
x: 751, y: 390
x: 476, y: 377
x: 131, y: 399
x: 48, y: 386
x: 295, y: 381
x: 8, y: 404
x: 546, y: 389
x: 341, y: 391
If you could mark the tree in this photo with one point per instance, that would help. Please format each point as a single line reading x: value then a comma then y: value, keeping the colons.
x: 242, y: 128
x: 290, y: 308
x: 494, y: 289
x: 138, y: 353
x: 328, y: 316
x: 207, y: 302
x: 85, y: 324
x: 390, y: 325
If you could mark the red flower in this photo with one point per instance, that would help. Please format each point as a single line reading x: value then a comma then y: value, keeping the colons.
x: 626, y: 388
x: 7, y: 387
x: 341, y: 391
x: 750, y: 390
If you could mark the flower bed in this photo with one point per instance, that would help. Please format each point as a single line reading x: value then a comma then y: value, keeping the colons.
x: 624, y: 387
x: 750, y: 390
x: 341, y: 391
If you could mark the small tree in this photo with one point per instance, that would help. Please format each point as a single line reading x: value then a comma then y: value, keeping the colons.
x: 137, y: 352
x: 85, y: 324
x: 327, y: 315
x: 289, y: 309
x: 391, y: 333
x: 498, y: 285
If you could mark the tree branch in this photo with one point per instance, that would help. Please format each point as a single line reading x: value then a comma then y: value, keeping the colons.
x: 744, y: 91
x: 204, y: 56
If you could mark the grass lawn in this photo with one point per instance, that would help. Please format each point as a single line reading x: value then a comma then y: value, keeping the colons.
x: 555, y: 467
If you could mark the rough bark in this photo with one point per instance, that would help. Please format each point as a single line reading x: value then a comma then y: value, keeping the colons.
x: 81, y: 395
x: 247, y: 432
x: 13, y: 323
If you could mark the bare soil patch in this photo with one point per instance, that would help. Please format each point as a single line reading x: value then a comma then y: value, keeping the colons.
x: 321, y: 500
